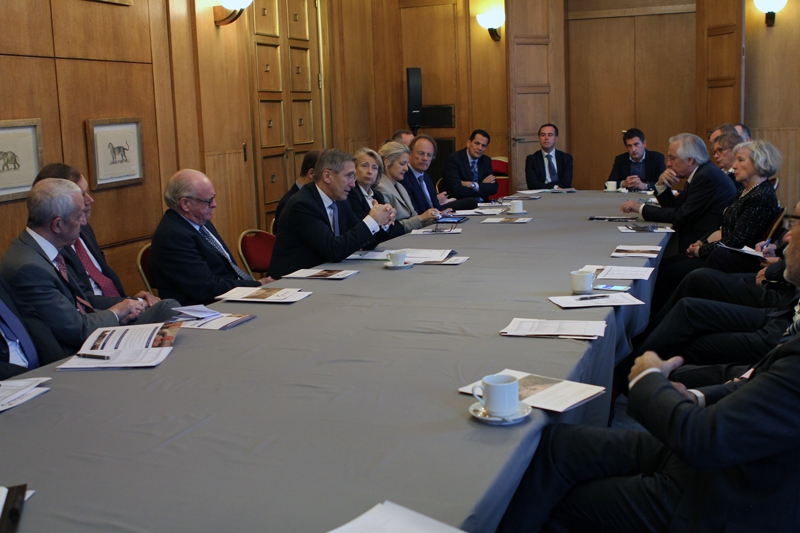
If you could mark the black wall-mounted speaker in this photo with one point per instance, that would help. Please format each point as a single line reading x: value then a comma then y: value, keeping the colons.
x: 414, y: 86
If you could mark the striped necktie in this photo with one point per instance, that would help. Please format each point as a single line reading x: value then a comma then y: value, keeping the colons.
x: 213, y: 242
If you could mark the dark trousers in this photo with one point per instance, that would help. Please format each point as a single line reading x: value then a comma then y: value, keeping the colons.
x: 597, y: 479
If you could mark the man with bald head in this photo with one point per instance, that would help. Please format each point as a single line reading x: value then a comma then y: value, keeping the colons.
x: 189, y: 259
x: 45, y: 286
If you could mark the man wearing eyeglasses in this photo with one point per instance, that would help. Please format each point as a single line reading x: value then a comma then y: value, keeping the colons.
x: 190, y: 261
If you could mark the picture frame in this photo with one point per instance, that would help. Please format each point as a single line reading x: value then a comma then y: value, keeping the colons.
x: 21, y: 157
x: 115, y: 147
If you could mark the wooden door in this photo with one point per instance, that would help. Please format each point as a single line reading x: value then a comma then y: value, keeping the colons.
x: 287, y: 83
x: 720, y: 63
x: 537, y: 79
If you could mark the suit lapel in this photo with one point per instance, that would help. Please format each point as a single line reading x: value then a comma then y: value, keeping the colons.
x: 72, y: 287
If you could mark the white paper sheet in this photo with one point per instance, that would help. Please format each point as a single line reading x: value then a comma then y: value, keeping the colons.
x: 624, y: 272
x: 598, y: 300
x: 433, y: 231
x: 532, y: 327
x: 388, y: 517
x: 19, y: 400
x: 11, y: 389
x: 506, y: 220
x: 270, y: 295
x: 481, y: 211
x: 639, y: 250
x: 196, y: 311
x: 319, y: 273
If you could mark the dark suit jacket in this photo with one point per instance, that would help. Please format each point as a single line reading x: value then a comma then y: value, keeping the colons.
x: 185, y: 265
x: 40, y: 292
x: 535, y: 175
x: 361, y: 209
x: 305, y: 238
x: 291, y: 192
x: 456, y: 170
x: 653, y: 167
x: 418, y: 199
x: 698, y: 210
x: 742, y: 447
x: 47, y: 347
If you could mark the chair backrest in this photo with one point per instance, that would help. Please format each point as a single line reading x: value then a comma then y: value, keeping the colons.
x: 439, y: 185
x: 775, y: 181
x: 255, y: 250
x: 500, y: 167
x: 143, y: 264
x: 776, y: 224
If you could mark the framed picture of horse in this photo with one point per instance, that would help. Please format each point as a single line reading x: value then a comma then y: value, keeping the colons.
x: 116, y: 158
x: 21, y: 156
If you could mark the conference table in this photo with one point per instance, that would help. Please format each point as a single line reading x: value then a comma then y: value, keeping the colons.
x: 307, y: 416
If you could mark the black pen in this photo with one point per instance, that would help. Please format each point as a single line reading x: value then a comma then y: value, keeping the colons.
x: 582, y: 298
x: 94, y: 356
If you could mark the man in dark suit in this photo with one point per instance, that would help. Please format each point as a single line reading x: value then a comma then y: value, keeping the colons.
x: 468, y: 172
x: 722, y: 150
x: 719, y: 457
x: 698, y: 210
x: 318, y: 224
x: 638, y: 168
x: 548, y: 168
x: 85, y: 256
x: 24, y: 344
x: 190, y: 261
x: 306, y: 176
x: 44, y: 286
x: 419, y: 184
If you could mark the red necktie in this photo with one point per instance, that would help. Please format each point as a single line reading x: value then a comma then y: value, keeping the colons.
x: 103, y: 281
x: 80, y: 304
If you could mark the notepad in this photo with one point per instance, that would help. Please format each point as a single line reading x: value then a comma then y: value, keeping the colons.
x: 269, y: 295
x: 595, y: 300
x: 319, y: 273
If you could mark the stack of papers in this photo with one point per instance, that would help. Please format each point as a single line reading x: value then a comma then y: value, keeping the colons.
x: 615, y: 218
x: 481, y: 211
x: 636, y: 228
x: 550, y: 394
x: 318, y: 273
x: 194, y: 312
x: 435, y: 231
x: 413, y: 255
x: 144, y: 345
x: 506, y: 220
x: 223, y: 322
x: 269, y: 295
x: 14, y: 392
x: 596, y: 300
x: 561, y: 329
x: 388, y: 517
x: 620, y: 272
x: 636, y: 251
x: 455, y: 260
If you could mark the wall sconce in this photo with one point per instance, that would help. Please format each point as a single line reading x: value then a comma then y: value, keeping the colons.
x: 229, y: 11
x: 770, y: 7
x: 492, y: 20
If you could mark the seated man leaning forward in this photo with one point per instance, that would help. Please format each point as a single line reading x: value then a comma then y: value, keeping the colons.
x: 190, y: 261
x: 638, y: 168
x: 719, y: 458
x: 318, y: 225
x: 45, y: 286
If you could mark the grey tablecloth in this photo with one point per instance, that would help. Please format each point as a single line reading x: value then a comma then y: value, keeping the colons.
x: 307, y: 416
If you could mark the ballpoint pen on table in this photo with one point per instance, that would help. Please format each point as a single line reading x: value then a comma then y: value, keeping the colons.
x: 582, y: 298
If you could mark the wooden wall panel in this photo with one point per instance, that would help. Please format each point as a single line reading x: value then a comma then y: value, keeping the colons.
x: 389, y: 80
x: 96, y: 30
x: 359, y: 72
x: 26, y: 28
x: 488, y: 79
x: 236, y: 211
x: 28, y: 86
x: 122, y: 258
x: 602, y: 97
x: 787, y: 140
x: 429, y: 42
x: 530, y: 18
x: 665, y: 78
x: 99, y: 89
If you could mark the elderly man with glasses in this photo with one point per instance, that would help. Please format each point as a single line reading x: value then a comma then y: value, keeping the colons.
x: 190, y: 261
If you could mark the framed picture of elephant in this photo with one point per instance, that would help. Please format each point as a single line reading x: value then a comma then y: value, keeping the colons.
x: 115, y: 146
x: 21, y: 156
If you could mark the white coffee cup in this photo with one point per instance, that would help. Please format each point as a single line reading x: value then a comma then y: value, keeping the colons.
x: 500, y: 394
x: 516, y: 206
x: 611, y: 185
x: 397, y: 258
x: 581, y: 281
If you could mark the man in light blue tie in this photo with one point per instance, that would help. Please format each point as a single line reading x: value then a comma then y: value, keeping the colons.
x: 468, y: 172
x: 548, y: 168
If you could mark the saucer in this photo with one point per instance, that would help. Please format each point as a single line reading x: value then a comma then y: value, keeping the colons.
x: 477, y: 410
x: 516, y: 212
x: 388, y: 264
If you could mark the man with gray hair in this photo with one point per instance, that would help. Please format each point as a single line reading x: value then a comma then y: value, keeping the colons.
x: 697, y: 211
x: 319, y: 226
x: 189, y: 259
x: 44, y: 286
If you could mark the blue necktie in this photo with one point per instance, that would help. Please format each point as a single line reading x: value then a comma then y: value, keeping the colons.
x: 551, y: 168
x: 335, y: 211
x: 475, y: 170
x: 15, y: 331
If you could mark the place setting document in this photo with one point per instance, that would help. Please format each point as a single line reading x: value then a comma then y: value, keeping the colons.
x: 559, y: 329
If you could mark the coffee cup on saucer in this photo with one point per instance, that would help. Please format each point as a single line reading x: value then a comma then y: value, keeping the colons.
x: 500, y: 395
x: 515, y: 207
x: 397, y: 258
x: 611, y: 185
